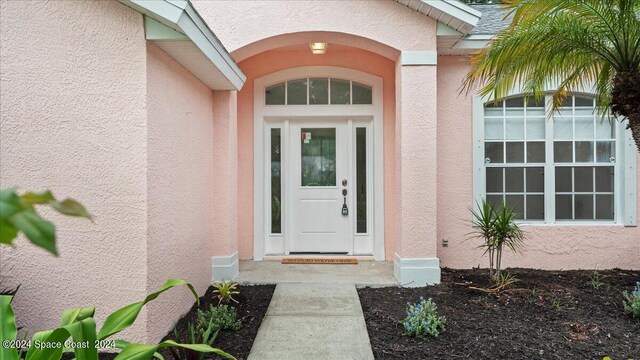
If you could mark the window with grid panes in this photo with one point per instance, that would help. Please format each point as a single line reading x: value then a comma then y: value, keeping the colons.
x: 520, y: 167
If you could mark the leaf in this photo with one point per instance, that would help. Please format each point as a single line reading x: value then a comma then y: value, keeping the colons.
x: 125, y: 316
x: 44, y: 197
x: 8, y: 330
x: 203, y: 348
x: 71, y: 207
x: 55, y: 336
x: 40, y: 231
x: 84, y: 331
x: 9, y: 203
x: 7, y: 232
x: 73, y: 315
x: 137, y: 352
x: 145, y: 351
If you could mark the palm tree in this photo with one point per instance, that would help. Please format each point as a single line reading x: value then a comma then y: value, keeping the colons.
x: 567, y: 44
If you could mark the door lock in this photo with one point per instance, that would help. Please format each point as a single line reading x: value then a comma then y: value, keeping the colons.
x: 344, y: 182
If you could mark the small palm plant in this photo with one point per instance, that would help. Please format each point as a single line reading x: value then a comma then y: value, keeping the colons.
x: 498, y: 229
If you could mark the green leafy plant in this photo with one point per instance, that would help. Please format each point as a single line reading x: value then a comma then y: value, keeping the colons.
x: 498, y: 230
x: 194, y: 336
x: 18, y: 215
x: 422, y: 320
x: 596, y: 279
x: 221, y: 317
x: 225, y: 290
x: 557, y: 304
x: 79, y: 325
x: 631, y: 302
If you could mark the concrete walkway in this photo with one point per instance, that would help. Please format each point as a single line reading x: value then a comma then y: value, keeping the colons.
x: 313, y: 321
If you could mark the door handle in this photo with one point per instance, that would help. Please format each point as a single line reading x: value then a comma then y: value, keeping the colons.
x: 345, y: 210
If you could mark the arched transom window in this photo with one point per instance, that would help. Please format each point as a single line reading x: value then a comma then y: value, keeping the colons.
x: 318, y: 91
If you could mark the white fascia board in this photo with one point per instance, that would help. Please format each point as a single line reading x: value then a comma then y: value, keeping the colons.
x: 473, y: 42
x: 182, y: 17
x: 465, y: 13
x: 155, y: 30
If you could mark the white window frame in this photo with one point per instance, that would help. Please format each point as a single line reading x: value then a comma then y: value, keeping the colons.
x: 625, y: 188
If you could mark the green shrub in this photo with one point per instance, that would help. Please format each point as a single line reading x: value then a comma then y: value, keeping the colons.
x: 193, y: 337
x: 225, y: 290
x: 221, y: 317
x: 632, y: 302
x: 422, y: 320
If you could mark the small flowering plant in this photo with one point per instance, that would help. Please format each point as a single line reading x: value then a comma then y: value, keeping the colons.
x: 422, y: 320
x: 632, y: 302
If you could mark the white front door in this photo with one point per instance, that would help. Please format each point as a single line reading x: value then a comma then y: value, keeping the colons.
x: 319, y: 176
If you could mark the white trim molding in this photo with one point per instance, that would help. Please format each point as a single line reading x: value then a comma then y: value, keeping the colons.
x: 630, y: 198
x: 225, y: 267
x: 284, y: 114
x: 199, y: 51
x: 456, y: 15
x: 416, y: 272
x: 412, y: 58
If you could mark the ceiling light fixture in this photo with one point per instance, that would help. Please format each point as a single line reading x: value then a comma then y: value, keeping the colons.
x: 318, y: 48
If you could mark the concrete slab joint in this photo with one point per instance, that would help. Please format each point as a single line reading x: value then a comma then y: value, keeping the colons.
x: 225, y: 267
x: 415, y: 272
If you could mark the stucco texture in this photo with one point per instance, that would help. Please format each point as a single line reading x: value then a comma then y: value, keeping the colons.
x: 416, y: 159
x: 180, y: 188
x: 241, y: 26
x: 73, y: 119
x: 547, y: 247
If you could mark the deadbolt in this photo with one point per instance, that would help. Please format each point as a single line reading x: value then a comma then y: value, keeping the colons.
x: 344, y: 182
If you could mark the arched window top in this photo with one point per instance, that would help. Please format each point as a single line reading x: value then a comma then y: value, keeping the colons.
x: 318, y: 91
x: 582, y: 101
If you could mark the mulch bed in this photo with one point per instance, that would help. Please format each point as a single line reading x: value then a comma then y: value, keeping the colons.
x: 546, y: 315
x: 253, y: 302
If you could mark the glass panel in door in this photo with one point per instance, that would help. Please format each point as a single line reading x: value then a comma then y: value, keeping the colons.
x: 318, y: 157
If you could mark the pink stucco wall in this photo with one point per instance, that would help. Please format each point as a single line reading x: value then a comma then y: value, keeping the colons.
x: 180, y: 200
x: 225, y: 173
x: 272, y: 61
x: 548, y: 247
x: 240, y: 25
x: 416, y: 158
x: 73, y: 119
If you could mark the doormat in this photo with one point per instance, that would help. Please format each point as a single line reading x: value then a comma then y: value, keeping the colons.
x: 319, y: 261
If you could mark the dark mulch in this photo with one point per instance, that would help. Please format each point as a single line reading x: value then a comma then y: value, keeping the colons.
x: 546, y: 315
x: 253, y: 302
